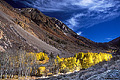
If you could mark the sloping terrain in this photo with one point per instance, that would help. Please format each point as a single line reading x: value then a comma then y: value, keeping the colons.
x: 35, y: 32
x: 31, y: 30
x: 115, y: 42
x: 11, y: 31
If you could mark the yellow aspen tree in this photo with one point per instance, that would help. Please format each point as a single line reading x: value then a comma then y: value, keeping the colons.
x: 78, y: 65
x: 90, y: 60
x: 99, y: 58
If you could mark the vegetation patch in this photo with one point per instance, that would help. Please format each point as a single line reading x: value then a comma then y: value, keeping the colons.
x: 24, y: 65
x: 80, y: 61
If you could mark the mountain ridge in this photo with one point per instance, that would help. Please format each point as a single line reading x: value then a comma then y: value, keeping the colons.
x: 50, y: 30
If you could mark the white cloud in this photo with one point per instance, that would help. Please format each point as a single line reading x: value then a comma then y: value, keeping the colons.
x: 72, y: 21
x: 79, y: 33
x: 102, y: 5
x: 84, y: 13
x: 79, y: 15
x: 96, y: 5
x: 62, y: 5
x: 54, y: 5
x: 108, y: 38
x: 84, y: 3
x: 90, y: 18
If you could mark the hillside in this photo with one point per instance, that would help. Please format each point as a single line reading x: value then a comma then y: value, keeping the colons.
x: 31, y: 30
x: 15, y: 37
x: 115, y: 42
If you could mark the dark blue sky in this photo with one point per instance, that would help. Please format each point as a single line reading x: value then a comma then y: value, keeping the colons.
x: 97, y: 20
x: 103, y: 32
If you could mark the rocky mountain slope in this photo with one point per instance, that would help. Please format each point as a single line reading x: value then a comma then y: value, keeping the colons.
x: 30, y: 30
x: 13, y: 36
x: 115, y: 42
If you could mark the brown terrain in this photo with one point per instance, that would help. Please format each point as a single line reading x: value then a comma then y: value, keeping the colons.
x: 115, y: 42
x: 30, y: 30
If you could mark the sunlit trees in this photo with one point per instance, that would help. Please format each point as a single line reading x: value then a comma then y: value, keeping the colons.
x: 89, y: 59
x: 20, y: 63
x: 78, y: 65
x: 79, y: 55
x: 26, y: 64
x: 41, y: 70
x: 42, y: 57
x: 80, y: 61
x: 67, y: 64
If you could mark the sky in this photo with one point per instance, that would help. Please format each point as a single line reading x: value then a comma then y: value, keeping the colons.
x: 97, y: 20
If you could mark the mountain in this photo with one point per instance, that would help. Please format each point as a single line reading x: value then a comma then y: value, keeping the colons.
x: 30, y: 30
x: 115, y: 42
x: 16, y: 31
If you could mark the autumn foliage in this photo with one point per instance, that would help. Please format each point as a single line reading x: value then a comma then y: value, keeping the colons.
x: 42, y: 57
x: 81, y: 61
x: 38, y: 64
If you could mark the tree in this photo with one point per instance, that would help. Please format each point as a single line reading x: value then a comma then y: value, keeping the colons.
x: 78, y: 65
x: 79, y: 55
